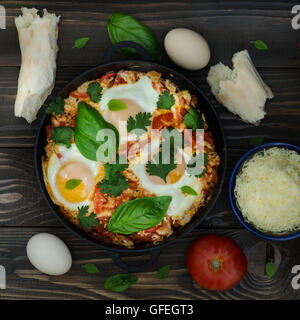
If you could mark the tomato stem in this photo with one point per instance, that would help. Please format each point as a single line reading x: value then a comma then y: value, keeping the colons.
x: 216, y: 264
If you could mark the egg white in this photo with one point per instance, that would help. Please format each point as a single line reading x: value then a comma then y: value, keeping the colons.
x: 180, y: 201
x: 68, y: 155
x: 141, y: 92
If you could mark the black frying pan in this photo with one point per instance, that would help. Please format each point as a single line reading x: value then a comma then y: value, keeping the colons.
x: 214, y: 124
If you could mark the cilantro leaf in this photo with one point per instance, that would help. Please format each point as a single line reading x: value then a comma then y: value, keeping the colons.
x: 94, y: 91
x: 141, y: 121
x: 113, y: 187
x: 160, y: 169
x: 57, y: 107
x: 193, y: 163
x: 163, y: 272
x: 165, y: 100
x: 73, y: 183
x: 115, y: 182
x: 192, y: 120
x: 89, y: 221
x: 91, y: 268
x: 62, y: 135
x: 80, y: 43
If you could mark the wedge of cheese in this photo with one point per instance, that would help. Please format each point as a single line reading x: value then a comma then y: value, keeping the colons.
x: 241, y: 89
x: 38, y: 44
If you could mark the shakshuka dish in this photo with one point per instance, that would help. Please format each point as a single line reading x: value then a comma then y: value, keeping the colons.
x: 115, y: 186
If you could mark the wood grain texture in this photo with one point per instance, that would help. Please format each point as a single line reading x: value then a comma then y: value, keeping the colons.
x: 229, y: 26
x: 25, y: 282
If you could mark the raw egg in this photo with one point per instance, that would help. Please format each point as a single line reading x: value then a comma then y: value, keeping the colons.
x: 49, y: 254
x: 187, y: 48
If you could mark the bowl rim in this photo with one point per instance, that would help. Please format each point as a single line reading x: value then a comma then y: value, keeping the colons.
x: 232, y: 199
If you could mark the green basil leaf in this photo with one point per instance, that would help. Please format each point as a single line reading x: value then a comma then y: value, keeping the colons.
x: 188, y: 190
x: 163, y: 272
x: 91, y: 268
x: 116, y: 105
x: 139, y: 214
x: 73, y: 183
x: 80, y: 43
x: 120, y: 282
x: 270, y: 269
x: 123, y: 27
x: 256, y: 141
x: 88, y: 122
x: 260, y: 45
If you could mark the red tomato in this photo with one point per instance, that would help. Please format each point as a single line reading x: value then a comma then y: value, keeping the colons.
x: 76, y: 94
x: 107, y: 76
x: 216, y: 262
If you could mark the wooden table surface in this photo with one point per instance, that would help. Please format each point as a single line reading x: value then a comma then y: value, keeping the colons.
x: 229, y: 26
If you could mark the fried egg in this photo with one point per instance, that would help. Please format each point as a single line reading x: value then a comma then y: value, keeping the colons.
x: 67, y: 164
x: 138, y: 97
x: 176, y: 179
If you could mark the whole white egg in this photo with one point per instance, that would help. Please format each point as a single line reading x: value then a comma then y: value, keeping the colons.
x: 49, y: 254
x: 187, y: 48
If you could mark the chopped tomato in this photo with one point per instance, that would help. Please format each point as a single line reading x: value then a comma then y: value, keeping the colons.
x: 162, y: 121
x: 59, y: 155
x: 208, y: 138
x: 107, y: 76
x: 120, y: 80
x: 76, y: 94
x: 49, y: 130
x: 156, y: 122
x: 98, y: 200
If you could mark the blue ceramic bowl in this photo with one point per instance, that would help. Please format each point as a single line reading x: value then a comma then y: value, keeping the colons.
x: 250, y: 227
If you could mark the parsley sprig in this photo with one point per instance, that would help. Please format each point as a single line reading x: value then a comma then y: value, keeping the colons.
x: 192, y: 120
x: 160, y: 169
x: 94, y: 91
x: 141, y: 121
x: 57, y: 106
x: 62, y: 135
x: 89, y: 221
x: 115, y: 182
x: 165, y: 100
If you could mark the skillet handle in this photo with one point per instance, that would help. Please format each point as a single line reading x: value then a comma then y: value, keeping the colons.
x: 117, y: 260
x: 126, y: 44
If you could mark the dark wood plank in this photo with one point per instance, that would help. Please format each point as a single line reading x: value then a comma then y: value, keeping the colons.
x: 229, y: 26
x: 25, y: 282
x: 281, y: 122
x: 21, y: 203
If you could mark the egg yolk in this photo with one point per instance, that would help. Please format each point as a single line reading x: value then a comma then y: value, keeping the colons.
x: 132, y: 109
x: 75, y: 170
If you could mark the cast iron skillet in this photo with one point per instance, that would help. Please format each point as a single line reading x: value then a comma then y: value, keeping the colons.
x: 214, y: 126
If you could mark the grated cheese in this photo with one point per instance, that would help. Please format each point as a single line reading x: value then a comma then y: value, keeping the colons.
x: 268, y: 190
